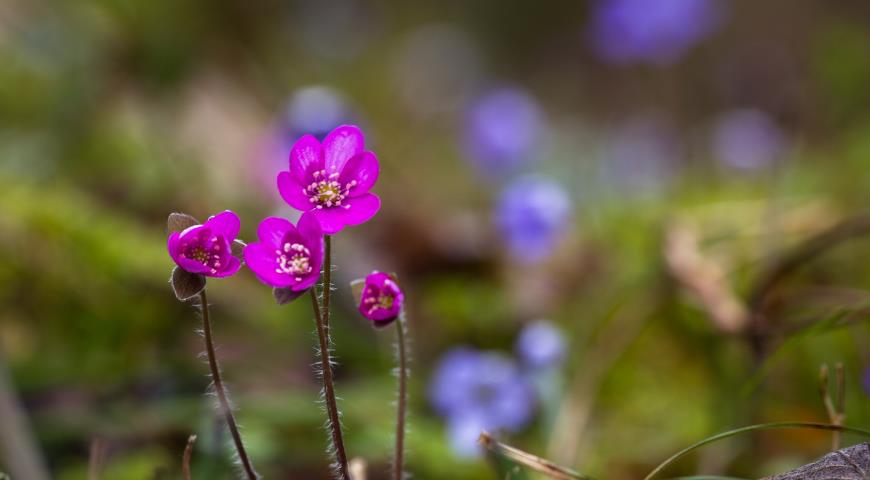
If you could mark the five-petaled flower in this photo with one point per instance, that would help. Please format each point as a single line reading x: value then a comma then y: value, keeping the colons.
x: 332, y: 180
x: 381, y: 298
x: 207, y: 249
x: 287, y: 256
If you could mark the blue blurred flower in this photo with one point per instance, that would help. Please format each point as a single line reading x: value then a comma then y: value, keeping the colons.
x: 532, y: 214
x: 502, y: 130
x: 651, y: 31
x: 541, y: 344
x: 475, y: 390
x: 316, y: 110
x: 747, y: 139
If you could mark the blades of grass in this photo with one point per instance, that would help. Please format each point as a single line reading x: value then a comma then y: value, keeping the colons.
x: 789, y: 344
x: 752, y: 428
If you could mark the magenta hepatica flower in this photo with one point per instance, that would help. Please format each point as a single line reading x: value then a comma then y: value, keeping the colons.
x: 287, y: 256
x: 332, y: 180
x: 474, y: 391
x: 207, y: 249
x: 381, y: 298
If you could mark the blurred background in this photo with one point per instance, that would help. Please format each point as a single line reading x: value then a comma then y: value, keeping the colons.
x: 622, y: 226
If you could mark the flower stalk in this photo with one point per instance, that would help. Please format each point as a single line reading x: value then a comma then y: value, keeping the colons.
x: 321, y: 319
x: 402, y: 400
x: 223, y: 401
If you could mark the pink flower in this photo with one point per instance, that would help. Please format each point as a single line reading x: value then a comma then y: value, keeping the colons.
x: 381, y: 298
x: 287, y: 256
x: 332, y: 180
x: 207, y: 249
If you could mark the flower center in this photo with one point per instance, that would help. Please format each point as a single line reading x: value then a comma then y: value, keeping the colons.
x: 383, y: 300
x: 327, y: 191
x: 206, y: 251
x: 293, y: 259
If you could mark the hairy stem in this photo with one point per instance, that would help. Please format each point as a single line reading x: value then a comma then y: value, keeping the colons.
x: 221, y: 391
x: 328, y: 387
x: 402, y: 400
x: 327, y: 278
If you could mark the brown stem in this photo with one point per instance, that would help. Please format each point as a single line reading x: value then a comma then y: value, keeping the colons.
x: 327, y: 278
x: 402, y: 401
x: 328, y: 387
x: 185, y: 460
x: 221, y: 392
x: 787, y: 264
x: 534, y: 462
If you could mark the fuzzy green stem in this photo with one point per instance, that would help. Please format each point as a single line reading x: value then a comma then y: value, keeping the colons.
x: 328, y: 386
x: 221, y: 391
x: 402, y: 400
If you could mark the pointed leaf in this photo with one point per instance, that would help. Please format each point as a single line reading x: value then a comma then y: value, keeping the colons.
x: 285, y: 295
x: 238, y: 249
x: 356, y: 288
x: 178, y: 222
x: 186, y: 285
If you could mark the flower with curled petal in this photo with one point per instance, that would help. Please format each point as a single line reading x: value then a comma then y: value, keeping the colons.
x: 287, y: 256
x: 206, y: 249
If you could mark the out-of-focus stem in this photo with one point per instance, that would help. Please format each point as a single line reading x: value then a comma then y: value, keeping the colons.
x: 328, y: 386
x: 18, y: 448
x: 221, y: 391
x: 402, y: 400
x: 528, y: 460
x: 185, y: 460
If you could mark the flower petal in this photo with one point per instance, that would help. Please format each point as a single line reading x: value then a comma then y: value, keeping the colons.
x: 174, y: 246
x: 364, y: 169
x: 356, y: 210
x: 309, y: 228
x: 233, y: 265
x: 271, y: 232
x: 225, y: 223
x: 341, y: 145
x: 362, y: 209
x: 260, y: 258
x: 292, y: 192
x: 306, y: 156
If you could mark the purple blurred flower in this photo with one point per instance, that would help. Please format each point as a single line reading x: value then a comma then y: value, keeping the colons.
x: 315, y: 110
x: 640, y: 155
x: 747, y: 139
x: 653, y: 31
x: 381, y: 299
x: 532, y: 213
x: 332, y: 180
x: 287, y: 256
x: 541, y: 344
x: 206, y: 249
x: 502, y: 130
x: 477, y: 390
